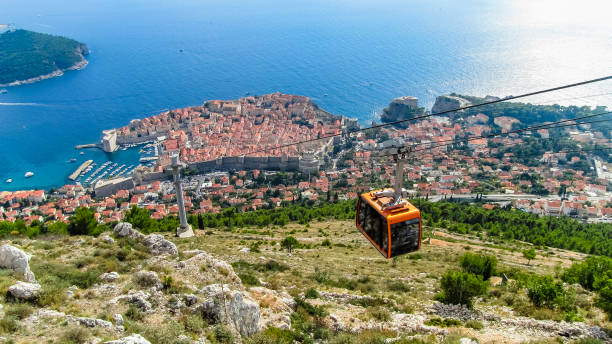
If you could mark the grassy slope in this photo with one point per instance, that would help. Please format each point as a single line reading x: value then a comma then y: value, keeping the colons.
x: 350, y: 266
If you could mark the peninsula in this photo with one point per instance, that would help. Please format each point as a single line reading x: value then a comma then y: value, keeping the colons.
x: 27, y: 57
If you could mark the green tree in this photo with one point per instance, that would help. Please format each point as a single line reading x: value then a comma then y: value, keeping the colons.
x: 82, y: 222
x: 479, y: 264
x: 289, y: 243
x: 604, y: 300
x: 58, y: 228
x: 459, y: 287
x: 544, y: 292
x: 529, y: 254
x: 141, y: 219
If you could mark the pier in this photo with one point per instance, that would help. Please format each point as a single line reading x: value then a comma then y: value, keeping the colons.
x: 78, y: 171
x: 89, y: 145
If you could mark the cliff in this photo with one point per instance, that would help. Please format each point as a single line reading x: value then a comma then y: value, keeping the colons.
x: 27, y: 57
x: 400, y: 109
x: 449, y: 102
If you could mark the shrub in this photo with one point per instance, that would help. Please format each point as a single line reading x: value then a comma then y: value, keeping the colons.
x: 459, y: 287
x: 75, y: 335
x: 134, y: 313
x: 223, y: 335
x: 544, y: 292
x: 316, y: 311
x: 272, y: 335
x: 587, y: 273
x: 327, y: 243
x: 18, y: 310
x: 380, y: 313
x: 604, y: 300
x: 146, y: 280
x: 479, y: 264
x: 194, y: 323
x: 397, y: 285
x: 475, y: 324
x: 249, y: 279
x: 9, y: 324
x: 448, y: 322
x: 311, y: 293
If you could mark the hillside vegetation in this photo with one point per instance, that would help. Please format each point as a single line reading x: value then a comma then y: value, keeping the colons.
x: 26, y: 54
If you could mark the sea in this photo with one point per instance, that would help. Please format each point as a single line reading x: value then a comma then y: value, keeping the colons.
x: 352, y: 57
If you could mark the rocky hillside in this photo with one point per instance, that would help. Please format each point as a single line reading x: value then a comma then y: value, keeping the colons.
x: 243, y: 286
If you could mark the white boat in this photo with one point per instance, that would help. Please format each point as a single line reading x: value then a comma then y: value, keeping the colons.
x: 29, y: 174
x: 9, y: 180
x: 3, y: 91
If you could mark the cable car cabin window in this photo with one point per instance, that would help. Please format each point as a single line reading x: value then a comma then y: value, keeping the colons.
x: 405, y: 237
x: 374, y: 225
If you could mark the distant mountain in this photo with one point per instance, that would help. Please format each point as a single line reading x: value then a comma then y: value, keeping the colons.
x: 27, y: 56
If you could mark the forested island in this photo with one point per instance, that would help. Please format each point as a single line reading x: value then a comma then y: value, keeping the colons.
x: 27, y: 56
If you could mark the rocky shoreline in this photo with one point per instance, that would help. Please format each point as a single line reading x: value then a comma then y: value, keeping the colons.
x: 77, y: 66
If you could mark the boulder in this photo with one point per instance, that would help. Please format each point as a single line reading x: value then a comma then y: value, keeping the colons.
x: 15, y: 259
x: 133, y: 339
x: 157, y: 244
x: 109, y: 276
x: 241, y: 311
x: 124, y: 229
x: 24, y: 290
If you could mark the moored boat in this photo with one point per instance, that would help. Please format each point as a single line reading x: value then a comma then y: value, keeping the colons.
x: 9, y: 180
x: 29, y: 174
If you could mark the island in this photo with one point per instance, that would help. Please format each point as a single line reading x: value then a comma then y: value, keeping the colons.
x: 27, y: 57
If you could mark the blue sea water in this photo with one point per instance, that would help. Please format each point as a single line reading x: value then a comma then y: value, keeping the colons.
x: 352, y: 57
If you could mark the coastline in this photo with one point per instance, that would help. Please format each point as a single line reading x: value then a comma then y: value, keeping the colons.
x: 77, y: 66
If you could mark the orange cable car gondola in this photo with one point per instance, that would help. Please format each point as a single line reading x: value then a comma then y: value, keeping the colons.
x: 388, y: 221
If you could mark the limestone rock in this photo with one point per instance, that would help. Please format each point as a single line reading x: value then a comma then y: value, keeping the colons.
x: 13, y: 258
x: 400, y: 109
x: 157, y: 244
x: 107, y: 239
x: 277, y: 310
x: 448, y: 103
x: 133, y: 339
x: 90, y: 322
x: 138, y: 298
x: 203, y: 268
x: 109, y: 276
x: 124, y: 229
x: 24, y: 290
x: 118, y: 320
x: 242, y: 312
